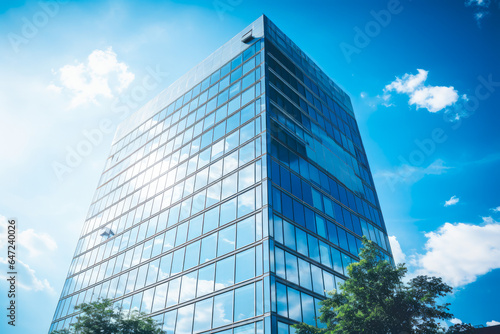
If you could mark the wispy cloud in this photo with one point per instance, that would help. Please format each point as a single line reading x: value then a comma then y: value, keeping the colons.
x: 452, y: 201
x: 101, y: 76
x: 481, y: 8
x: 407, y: 174
x: 432, y: 98
x: 497, y: 209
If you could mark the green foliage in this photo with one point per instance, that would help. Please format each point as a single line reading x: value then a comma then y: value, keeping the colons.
x: 461, y: 328
x: 375, y: 300
x: 102, y: 317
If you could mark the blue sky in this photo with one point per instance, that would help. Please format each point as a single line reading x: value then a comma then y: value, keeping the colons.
x: 423, y: 77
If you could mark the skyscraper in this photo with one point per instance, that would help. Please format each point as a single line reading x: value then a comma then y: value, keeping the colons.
x: 233, y: 200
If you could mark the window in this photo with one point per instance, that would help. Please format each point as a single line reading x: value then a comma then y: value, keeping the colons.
x: 208, y: 247
x: 292, y: 274
x: 211, y: 220
x: 224, y: 273
x: 244, y: 302
x: 205, y: 280
x: 223, y: 309
x: 226, y: 240
x: 188, y: 286
x: 245, y: 265
x: 305, y: 274
x: 294, y: 305
x: 245, y: 232
x: 185, y: 319
x: 203, y: 315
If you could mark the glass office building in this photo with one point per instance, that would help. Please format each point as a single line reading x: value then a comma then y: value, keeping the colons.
x: 232, y: 201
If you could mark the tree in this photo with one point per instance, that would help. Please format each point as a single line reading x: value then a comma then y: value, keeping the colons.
x: 102, y: 317
x: 374, y: 300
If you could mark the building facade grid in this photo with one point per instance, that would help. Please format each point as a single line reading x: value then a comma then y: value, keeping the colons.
x: 235, y: 207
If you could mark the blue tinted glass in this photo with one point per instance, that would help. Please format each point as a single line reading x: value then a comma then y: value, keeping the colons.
x: 337, y: 260
x: 203, y: 315
x: 192, y: 255
x: 301, y: 242
x: 185, y: 319
x: 298, y: 213
x: 247, y: 329
x: 317, y: 277
x: 324, y: 250
x: 236, y: 75
x: 278, y: 229
x: 313, y: 248
x: 332, y: 233
x: 181, y: 234
x: 289, y: 233
x: 228, y: 212
x: 236, y: 62
x: 305, y: 274
x: 310, y: 219
x: 178, y: 261
x: 211, y: 220
x: 281, y: 300
x: 225, y: 70
x: 245, y: 232
x: 292, y: 273
x: 308, y: 309
x: 343, y: 239
x: 279, y: 255
x: 226, y: 240
x: 173, y: 292
x: 287, y: 206
x: 320, y: 226
x: 224, y: 273
x: 244, y: 302
x: 223, y: 309
x: 246, y: 203
x: 206, y: 280
x: 245, y: 265
x: 208, y: 247
x: 294, y: 309
x: 188, y: 284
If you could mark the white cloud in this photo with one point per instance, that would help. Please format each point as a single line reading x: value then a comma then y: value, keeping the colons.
x: 409, y: 83
x: 101, y: 76
x: 29, y: 240
x: 456, y: 321
x: 492, y: 323
x: 399, y: 256
x: 459, y: 252
x: 432, y: 98
x: 452, y: 201
x: 36, y: 243
x: 26, y: 277
x: 497, y: 209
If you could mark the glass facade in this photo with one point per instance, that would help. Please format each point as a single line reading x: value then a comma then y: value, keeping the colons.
x: 232, y: 201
